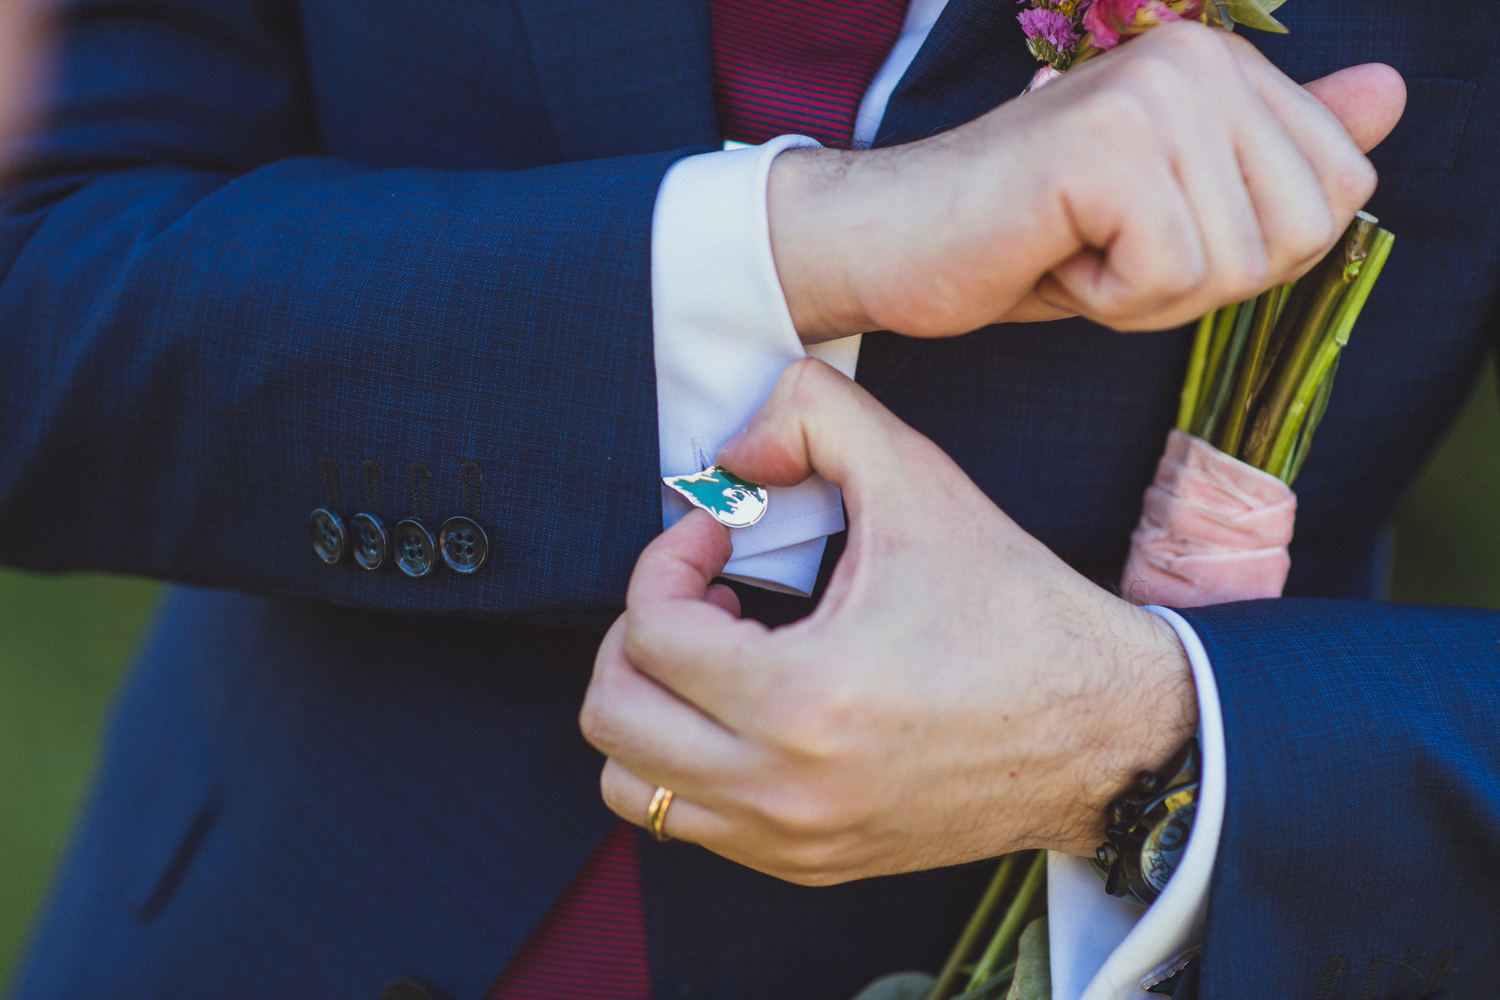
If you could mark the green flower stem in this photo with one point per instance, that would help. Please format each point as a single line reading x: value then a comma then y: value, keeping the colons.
x: 1283, y: 298
x: 1286, y: 373
x: 1364, y: 283
x: 1295, y: 305
x: 1223, y: 382
x: 1188, y: 407
x: 988, y: 903
x: 1279, y: 460
x: 1009, y: 931
x: 1282, y: 460
x: 1330, y: 280
x: 1267, y: 312
x: 1314, y: 418
x: 1218, y: 350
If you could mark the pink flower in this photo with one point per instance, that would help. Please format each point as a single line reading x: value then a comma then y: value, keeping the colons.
x: 1109, y: 19
x: 1049, y: 26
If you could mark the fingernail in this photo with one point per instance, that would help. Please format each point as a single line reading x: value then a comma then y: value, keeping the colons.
x: 733, y: 442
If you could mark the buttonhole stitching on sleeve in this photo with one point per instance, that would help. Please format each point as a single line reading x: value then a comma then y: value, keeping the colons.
x: 370, y: 471
x: 329, y: 469
x: 421, y: 494
x: 470, y: 481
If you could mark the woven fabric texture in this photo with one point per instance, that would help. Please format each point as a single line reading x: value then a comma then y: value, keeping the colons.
x: 255, y: 234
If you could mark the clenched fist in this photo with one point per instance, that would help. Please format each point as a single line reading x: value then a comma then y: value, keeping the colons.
x: 1166, y: 178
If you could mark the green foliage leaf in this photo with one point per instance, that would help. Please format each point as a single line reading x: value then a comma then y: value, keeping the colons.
x: 898, y: 986
x: 994, y: 988
x: 1255, y: 14
x: 1033, y: 965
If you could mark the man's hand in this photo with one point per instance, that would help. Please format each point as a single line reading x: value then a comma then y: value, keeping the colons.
x: 1175, y: 174
x: 959, y: 692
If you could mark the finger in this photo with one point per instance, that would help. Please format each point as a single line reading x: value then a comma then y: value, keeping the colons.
x: 1158, y: 217
x: 671, y: 591
x: 683, y: 561
x: 1346, y: 176
x: 1291, y: 199
x: 1207, y: 165
x: 628, y: 716
x: 818, y: 420
x: 1292, y: 203
x: 724, y: 598
x: 774, y: 447
x: 684, y: 632
x: 629, y: 796
x: 1368, y: 100
x: 1032, y: 309
x: 1147, y: 249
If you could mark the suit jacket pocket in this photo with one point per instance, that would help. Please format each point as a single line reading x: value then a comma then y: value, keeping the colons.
x: 172, y: 858
x: 1431, y: 130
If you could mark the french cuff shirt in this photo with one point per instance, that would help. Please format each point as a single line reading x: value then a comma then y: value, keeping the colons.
x: 722, y: 336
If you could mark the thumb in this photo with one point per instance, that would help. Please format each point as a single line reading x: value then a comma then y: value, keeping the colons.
x: 1367, y: 99
x: 680, y: 564
x: 817, y: 420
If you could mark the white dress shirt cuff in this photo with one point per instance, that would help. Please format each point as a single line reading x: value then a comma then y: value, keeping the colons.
x: 1104, y: 948
x: 723, y: 335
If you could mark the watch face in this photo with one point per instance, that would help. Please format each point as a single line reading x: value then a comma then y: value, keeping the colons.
x: 1165, y: 844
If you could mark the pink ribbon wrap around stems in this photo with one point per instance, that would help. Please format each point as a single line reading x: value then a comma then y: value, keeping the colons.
x: 1213, y: 529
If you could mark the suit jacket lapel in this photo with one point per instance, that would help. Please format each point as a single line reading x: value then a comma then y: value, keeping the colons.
x: 622, y: 77
x: 974, y: 59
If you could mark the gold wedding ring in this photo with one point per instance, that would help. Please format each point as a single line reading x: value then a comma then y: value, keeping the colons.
x: 656, y: 814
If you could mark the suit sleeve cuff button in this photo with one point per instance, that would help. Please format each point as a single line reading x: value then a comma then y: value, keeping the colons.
x: 416, y: 548
x: 464, y: 545
x: 327, y: 531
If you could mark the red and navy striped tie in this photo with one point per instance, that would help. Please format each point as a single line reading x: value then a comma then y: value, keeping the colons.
x: 779, y: 66
x: 592, y: 943
x: 798, y: 65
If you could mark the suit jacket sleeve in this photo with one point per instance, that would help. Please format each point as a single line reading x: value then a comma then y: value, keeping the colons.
x: 1360, y: 851
x: 209, y: 330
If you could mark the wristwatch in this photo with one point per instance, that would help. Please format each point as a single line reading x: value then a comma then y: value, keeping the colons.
x: 1148, y: 828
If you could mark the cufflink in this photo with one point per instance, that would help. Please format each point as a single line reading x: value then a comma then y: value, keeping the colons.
x: 733, y: 502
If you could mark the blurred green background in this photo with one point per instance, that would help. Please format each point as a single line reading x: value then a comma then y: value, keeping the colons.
x: 64, y: 640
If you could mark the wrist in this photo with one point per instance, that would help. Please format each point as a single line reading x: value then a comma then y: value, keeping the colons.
x: 1139, y: 718
x: 810, y: 214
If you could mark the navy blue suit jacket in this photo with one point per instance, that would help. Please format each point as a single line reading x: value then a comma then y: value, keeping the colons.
x: 269, y: 255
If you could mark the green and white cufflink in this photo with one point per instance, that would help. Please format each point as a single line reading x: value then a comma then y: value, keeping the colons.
x: 733, y: 502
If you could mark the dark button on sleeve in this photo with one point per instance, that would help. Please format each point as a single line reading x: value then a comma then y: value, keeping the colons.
x: 416, y: 548
x: 464, y: 545
x: 371, y: 542
x: 327, y: 532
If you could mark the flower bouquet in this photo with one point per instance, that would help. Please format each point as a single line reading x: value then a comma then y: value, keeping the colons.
x: 1217, y: 518
x: 1064, y: 33
x: 1216, y: 521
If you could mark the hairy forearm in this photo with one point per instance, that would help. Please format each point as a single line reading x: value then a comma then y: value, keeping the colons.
x: 1137, y: 717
